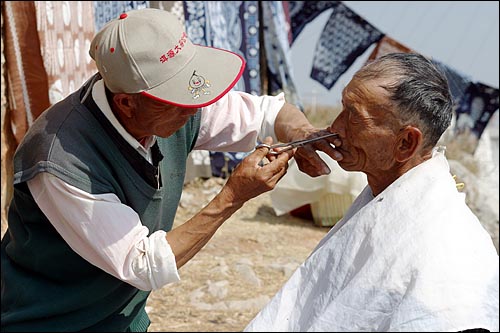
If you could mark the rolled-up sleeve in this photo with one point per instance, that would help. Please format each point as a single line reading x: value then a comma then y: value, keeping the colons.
x: 155, y: 265
x: 238, y: 121
x: 90, y: 223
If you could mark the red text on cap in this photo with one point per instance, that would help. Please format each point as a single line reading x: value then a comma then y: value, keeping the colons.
x: 176, y: 49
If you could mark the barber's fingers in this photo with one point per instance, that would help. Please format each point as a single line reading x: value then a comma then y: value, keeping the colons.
x: 278, y: 174
x: 262, y: 150
x: 265, y: 149
x: 250, y: 178
x: 309, y: 162
x: 273, y: 171
x: 326, y: 147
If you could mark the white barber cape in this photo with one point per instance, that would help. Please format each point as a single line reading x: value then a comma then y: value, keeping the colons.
x: 414, y: 258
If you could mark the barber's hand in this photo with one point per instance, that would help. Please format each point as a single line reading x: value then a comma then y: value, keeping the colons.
x: 309, y: 161
x: 251, y: 177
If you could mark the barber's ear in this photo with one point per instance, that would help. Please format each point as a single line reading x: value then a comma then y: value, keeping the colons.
x: 125, y: 103
x: 409, y: 141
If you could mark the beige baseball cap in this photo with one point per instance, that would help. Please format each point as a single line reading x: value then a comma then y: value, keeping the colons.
x: 147, y: 51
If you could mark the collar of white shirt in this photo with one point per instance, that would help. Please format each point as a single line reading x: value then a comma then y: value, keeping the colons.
x: 99, y: 96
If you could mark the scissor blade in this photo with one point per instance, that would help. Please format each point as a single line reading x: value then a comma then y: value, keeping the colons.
x: 303, y: 142
x: 295, y: 144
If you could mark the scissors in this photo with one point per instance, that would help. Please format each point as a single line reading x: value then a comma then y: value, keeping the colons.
x: 291, y: 145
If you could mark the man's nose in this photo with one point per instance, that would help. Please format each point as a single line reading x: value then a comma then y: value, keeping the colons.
x: 339, y: 124
x: 336, y: 127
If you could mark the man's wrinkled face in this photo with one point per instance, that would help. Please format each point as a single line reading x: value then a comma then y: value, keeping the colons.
x: 367, y: 127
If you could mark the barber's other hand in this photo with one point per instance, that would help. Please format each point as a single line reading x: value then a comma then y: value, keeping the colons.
x: 251, y: 177
x: 309, y: 161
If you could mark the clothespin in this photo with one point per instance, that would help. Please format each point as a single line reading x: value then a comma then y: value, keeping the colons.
x: 460, y: 186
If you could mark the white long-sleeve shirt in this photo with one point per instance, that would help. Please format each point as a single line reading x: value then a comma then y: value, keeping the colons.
x: 85, y: 221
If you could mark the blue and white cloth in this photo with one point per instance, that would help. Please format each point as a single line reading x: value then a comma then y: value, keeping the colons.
x: 234, y: 26
x: 477, y: 105
x: 457, y: 81
x: 278, y: 54
x: 345, y: 37
x: 230, y: 25
x: 105, y: 11
x: 304, y: 12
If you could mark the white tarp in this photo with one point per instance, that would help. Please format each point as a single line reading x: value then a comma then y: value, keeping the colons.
x: 414, y: 258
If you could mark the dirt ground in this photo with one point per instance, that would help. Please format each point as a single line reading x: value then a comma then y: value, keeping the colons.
x: 246, y: 262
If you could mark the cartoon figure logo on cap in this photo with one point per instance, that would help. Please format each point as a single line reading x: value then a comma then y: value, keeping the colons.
x: 198, y: 85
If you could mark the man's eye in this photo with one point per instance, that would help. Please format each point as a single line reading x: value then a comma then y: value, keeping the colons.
x: 351, y: 114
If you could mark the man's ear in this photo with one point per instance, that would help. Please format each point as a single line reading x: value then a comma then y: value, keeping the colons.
x: 125, y: 104
x: 409, y: 141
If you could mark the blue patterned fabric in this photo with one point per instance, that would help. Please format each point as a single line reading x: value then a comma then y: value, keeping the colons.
x: 278, y: 53
x: 222, y: 164
x: 105, y: 11
x: 344, y: 38
x: 476, y: 107
x: 234, y: 26
x: 303, y: 12
x: 458, y: 82
x: 231, y: 25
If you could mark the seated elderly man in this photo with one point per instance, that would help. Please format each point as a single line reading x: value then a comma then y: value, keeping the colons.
x: 408, y: 255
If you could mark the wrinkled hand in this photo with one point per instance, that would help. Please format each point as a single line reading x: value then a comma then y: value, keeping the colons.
x: 309, y: 161
x: 251, y: 177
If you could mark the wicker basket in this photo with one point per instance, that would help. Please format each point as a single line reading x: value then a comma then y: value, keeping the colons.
x: 330, y: 208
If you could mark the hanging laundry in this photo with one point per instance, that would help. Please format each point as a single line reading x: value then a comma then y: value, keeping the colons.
x: 105, y: 11
x: 230, y: 25
x: 476, y: 108
x: 344, y: 38
x: 174, y: 7
x: 26, y: 76
x: 457, y: 81
x: 234, y: 26
x: 304, y: 12
x: 65, y: 29
x: 388, y: 45
x: 278, y: 54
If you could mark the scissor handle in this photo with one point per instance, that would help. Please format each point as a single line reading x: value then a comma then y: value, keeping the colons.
x: 271, y: 147
x: 293, y: 144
